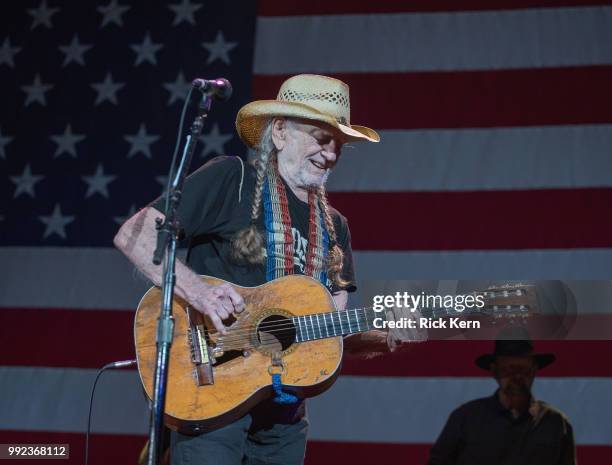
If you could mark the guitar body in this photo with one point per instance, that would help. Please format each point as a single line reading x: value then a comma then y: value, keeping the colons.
x: 245, y: 358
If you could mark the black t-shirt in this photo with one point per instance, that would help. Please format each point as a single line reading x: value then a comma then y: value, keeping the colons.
x: 216, y: 204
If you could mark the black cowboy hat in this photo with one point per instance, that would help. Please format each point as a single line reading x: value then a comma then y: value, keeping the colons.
x: 514, y: 348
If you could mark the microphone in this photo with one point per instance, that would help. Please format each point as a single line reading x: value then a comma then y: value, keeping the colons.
x: 219, y: 88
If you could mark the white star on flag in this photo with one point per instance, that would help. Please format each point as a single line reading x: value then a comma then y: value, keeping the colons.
x: 146, y: 51
x: 141, y: 142
x: 42, y: 15
x: 219, y: 49
x: 56, y: 223
x: 4, y: 141
x: 7, y: 53
x: 98, y: 183
x: 184, y: 11
x: 107, y: 90
x: 66, y: 142
x: 112, y: 13
x: 123, y: 219
x: 26, y: 182
x: 178, y: 89
x: 36, y: 91
x: 74, y: 51
x: 214, y: 141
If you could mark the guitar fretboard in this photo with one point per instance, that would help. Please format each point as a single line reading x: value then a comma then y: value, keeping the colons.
x: 498, y: 302
x: 332, y: 324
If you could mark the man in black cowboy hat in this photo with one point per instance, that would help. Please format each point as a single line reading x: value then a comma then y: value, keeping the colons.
x: 510, y: 427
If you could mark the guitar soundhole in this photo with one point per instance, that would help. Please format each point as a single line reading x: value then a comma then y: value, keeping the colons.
x: 276, y: 333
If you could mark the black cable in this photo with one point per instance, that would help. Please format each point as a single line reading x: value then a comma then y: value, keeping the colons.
x: 121, y: 364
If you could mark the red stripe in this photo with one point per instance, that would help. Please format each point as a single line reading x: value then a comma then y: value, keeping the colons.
x: 456, y: 359
x: 104, y: 449
x: 325, y: 7
x: 351, y: 453
x: 285, y: 219
x: 65, y: 338
x: 90, y: 339
x: 312, y: 237
x: 313, y: 232
x: 124, y: 449
x: 534, y: 219
x: 522, y: 97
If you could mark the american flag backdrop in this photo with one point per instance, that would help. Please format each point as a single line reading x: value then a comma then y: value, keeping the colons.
x: 495, y: 163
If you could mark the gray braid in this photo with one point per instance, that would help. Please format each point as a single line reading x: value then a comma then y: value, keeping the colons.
x: 266, y: 152
x: 248, y: 245
x: 335, y: 257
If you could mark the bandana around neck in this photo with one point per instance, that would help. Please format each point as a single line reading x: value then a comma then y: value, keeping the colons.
x: 279, y: 237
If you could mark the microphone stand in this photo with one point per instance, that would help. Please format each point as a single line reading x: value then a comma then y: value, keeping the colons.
x: 167, y: 238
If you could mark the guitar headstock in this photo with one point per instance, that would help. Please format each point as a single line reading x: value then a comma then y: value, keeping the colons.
x: 510, y: 301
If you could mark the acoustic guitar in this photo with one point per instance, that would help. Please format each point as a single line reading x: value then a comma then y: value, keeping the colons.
x: 289, y: 326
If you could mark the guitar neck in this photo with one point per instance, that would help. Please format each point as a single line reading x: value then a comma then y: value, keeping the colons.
x: 356, y: 320
x: 359, y: 320
x: 334, y: 324
x: 520, y: 300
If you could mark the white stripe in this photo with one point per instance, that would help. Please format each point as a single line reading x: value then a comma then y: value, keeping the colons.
x: 591, y: 297
x: 404, y: 410
x: 69, y: 277
x: 479, y: 159
x: 414, y: 410
x: 57, y: 399
x: 474, y: 264
x: 434, y: 41
x: 99, y: 278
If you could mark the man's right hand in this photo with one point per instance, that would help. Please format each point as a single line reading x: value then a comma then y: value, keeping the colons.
x: 137, y: 239
x: 218, y: 302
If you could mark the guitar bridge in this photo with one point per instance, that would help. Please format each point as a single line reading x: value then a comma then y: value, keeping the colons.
x: 199, y: 350
x: 199, y: 346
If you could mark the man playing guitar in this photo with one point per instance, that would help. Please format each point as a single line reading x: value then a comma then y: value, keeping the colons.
x: 252, y: 223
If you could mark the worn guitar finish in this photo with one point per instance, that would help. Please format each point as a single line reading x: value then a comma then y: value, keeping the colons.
x: 245, y: 357
x: 289, y: 326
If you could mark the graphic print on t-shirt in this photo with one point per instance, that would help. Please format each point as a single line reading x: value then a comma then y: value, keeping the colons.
x: 300, y: 247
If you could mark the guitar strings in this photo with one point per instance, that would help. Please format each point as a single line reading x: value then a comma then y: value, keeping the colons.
x: 288, y: 325
x: 290, y: 331
x: 264, y: 326
x: 237, y: 343
x: 289, y: 321
x: 286, y: 322
x: 284, y: 327
x: 244, y: 331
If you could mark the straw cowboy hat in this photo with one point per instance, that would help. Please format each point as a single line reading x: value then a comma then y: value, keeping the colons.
x: 308, y: 96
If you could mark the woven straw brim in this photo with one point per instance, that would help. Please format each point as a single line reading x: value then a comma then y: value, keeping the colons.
x: 252, y: 118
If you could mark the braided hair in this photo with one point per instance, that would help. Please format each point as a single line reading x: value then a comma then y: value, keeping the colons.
x: 248, y: 245
x: 335, y: 256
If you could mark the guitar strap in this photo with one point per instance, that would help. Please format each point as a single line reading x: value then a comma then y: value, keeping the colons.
x: 279, y: 236
x: 276, y: 369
